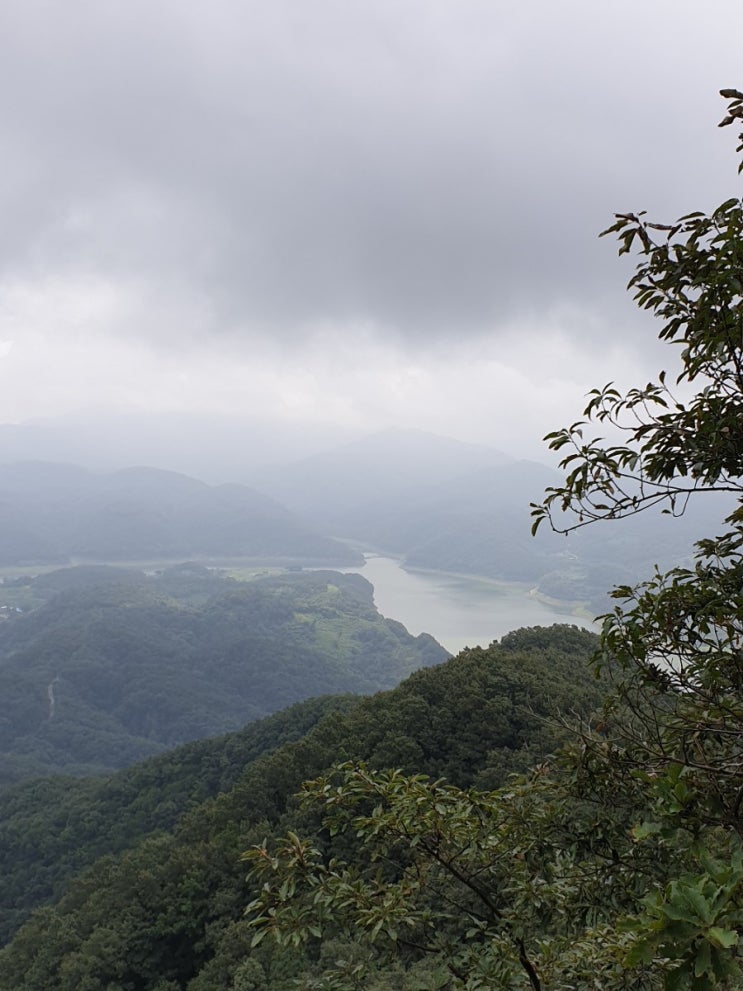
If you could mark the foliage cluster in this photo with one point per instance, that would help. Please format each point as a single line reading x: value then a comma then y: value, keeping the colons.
x: 52, y: 828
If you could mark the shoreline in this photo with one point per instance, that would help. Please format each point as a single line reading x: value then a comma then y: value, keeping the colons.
x: 575, y: 610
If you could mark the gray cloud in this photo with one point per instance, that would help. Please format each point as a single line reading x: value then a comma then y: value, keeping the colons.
x: 340, y: 215
x: 431, y: 168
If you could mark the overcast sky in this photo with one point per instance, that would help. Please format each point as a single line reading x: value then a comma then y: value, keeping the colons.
x: 367, y: 212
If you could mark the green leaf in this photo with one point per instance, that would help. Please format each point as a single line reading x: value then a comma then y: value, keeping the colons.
x: 723, y: 938
x: 703, y: 960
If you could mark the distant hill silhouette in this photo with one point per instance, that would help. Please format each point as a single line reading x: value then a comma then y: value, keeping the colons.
x: 342, y: 488
x: 441, y: 505
x: 213, y: 447
x: 57, y: 513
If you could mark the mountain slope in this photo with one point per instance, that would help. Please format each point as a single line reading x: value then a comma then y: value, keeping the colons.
x: 172, y: 908
x: 446, y: 506
x: 51, y: 828
x: 105, y: 674
x: 52, y: 514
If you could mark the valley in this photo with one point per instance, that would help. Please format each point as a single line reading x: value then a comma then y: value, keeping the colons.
x: 176, y: 658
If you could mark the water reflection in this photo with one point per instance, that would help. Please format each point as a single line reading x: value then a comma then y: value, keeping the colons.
x: 456, y: 610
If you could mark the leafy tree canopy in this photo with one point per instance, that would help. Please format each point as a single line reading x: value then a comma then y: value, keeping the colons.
x: 689, y: 276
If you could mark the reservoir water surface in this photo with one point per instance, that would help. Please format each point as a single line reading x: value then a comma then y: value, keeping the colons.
x: 458, y: 611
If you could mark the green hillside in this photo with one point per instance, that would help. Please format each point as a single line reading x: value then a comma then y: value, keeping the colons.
x: 168, y: 913
x: 51, y: 828
x: 113, y: 667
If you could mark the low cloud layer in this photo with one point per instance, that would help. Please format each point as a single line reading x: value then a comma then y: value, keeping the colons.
x: 346, y: 210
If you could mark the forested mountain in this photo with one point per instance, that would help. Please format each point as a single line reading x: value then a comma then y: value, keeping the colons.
x: 169, y: 912
x: 480, y: 523
x: 52, y: 828
x: 55, y: 514
x: 115, y: 666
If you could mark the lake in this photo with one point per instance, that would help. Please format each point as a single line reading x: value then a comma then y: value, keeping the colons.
x: 458, y: 611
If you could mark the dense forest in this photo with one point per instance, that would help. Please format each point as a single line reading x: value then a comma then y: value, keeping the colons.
x: 107, y: 666
x: 168, y: 912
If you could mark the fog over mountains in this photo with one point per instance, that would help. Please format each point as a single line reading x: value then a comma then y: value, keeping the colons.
x: 210, y: 447
x: 346, y: 486
x: 465, y: 508
x: 57, y: 513
x: 434, y: 502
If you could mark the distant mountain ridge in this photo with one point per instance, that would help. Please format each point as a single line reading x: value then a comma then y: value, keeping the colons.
x: 213, y: 447
x: 434, y: 502
x: 345, y: 485
x: 57, y: 513
x: 441, y: 505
